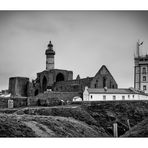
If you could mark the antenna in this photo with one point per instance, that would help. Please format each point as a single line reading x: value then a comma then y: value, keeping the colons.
x: 138, y: 47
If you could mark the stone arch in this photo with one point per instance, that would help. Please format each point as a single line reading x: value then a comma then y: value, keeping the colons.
x: 77, y: 98
x: 60, y: 77
x: 44, y: 84
x: 36, y: 92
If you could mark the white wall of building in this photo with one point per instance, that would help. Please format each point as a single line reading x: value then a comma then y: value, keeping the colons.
x: 111, y: 97
x: 50, y: 63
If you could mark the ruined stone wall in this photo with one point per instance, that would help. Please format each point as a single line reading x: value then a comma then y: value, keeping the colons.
x: 34, y: 101
x: 18, y: 102
x: 18, y: 86
x: 30, y: 89
x: 72, y: 85
x: 3, y: 102
x: 97, y: 82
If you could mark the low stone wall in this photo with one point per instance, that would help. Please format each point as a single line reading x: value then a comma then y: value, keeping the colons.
x: 47, y: 97
x: 3, y: 102
x: 20, y: 102
x: 17, y: 102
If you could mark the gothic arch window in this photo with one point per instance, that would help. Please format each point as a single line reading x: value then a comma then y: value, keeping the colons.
x: 59, y: 77
x: 96, y: 84
x: 44, y: 84
x: 104, y: 82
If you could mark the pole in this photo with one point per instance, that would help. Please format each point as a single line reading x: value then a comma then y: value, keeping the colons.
x: 115, y: 129
x: 128, y: 123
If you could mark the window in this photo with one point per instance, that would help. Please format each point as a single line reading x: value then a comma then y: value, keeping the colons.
x: 144, y: 87
x: 144, y: 70
x: 96, y: 84
x: 133, y: 96
x: 104, y: 82
x: 104, y: 97
x: 91, y: 96
x: 61, y: 88
x: 123, y: 97
x: 110, y: 84
x: 144, y: 78
x: 129, y: 96
x: 114, y: 97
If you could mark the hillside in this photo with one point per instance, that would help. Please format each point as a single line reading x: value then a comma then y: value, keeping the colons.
x: 75, y: 112
x: 13, y: 125
x: 139, y: 130
x: 80, y: 120
x: 106, y: 113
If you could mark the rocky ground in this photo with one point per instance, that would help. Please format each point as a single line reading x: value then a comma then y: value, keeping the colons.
x: 139, y: 130
x: 81, y: 120
x: 126, y: 114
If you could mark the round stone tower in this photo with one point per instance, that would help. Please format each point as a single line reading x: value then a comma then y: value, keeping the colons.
x: 50, y: 57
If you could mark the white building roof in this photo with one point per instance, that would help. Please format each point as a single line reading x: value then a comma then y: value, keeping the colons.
x: 115, y: 91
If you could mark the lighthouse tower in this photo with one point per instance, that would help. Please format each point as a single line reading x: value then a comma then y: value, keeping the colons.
x: 50, y: 57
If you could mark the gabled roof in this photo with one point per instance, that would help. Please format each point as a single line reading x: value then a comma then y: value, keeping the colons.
x: 104, y: 67
x: 114, y: 91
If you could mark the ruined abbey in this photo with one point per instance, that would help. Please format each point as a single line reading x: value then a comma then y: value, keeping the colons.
x: 58, y: 80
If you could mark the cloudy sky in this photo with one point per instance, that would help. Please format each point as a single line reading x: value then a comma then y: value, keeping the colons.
x: 83, y: 42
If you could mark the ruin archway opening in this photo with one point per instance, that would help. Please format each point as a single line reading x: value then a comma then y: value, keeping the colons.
x: 36, y: 92
x: 44, y: 84
x: 59, y: 77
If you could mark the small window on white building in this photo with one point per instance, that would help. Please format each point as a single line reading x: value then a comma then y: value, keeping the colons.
x: 104, y: 97
x: 114, y: 97
x: 133, y: 96
x: 123, y: 97
x: 129, y: 96
x: 144, y: 87
x: 144, y: 78
x: 91, y: 96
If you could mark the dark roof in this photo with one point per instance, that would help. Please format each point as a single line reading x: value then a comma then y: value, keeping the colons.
x: 48, y: 71
x: 18, y: 77
x: 114, y: 91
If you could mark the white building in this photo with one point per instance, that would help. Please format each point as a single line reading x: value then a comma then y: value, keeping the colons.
x: 94, y: 94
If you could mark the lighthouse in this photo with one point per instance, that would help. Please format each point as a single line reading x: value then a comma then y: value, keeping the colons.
x: 50, y: 57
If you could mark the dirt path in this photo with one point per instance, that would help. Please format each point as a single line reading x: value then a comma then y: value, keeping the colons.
x: 40, y: 129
